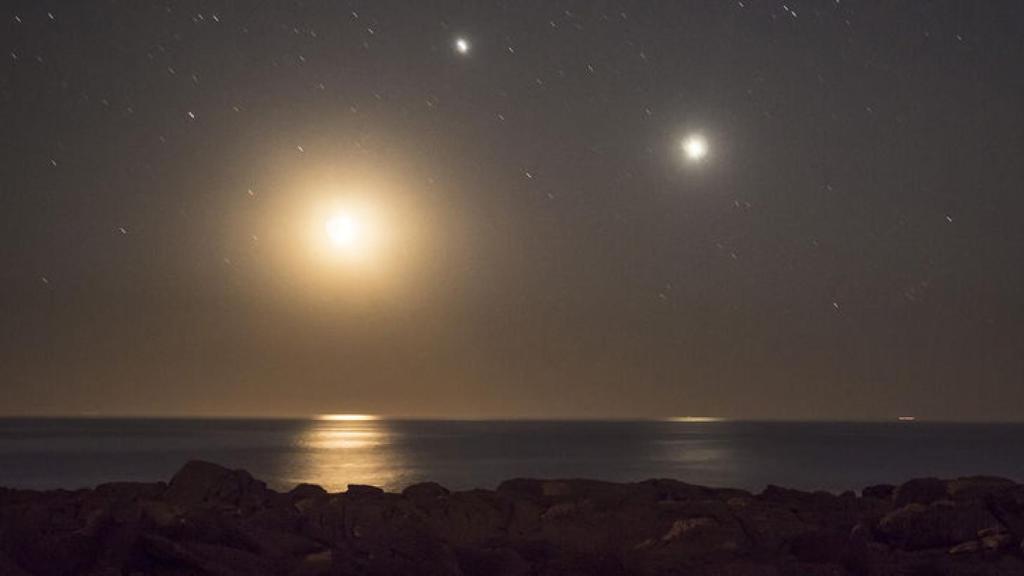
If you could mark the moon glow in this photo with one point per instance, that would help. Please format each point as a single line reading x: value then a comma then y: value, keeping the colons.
x: 344, y: 231
x: 350, y: 233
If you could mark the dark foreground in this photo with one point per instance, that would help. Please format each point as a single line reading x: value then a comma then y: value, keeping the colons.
x: 218, y: 522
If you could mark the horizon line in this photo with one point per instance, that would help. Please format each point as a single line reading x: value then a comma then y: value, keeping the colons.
x: 356, y: 417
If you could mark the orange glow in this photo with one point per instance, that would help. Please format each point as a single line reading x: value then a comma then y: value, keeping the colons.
x: 347, y: 417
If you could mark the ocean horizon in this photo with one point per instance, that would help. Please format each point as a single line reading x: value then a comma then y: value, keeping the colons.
x: 335, y: 451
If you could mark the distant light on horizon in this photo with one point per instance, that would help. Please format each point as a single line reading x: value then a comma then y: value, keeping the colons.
x: 347, y: 417
x: 462, y: 45
x: 696, y: 419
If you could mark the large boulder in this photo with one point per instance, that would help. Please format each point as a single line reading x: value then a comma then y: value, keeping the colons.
x: 771, y: 526
x: 363, y: 491
x: 426, y: 493
x: 204, y: 484
x: 465, y: 518
x: 977, y: 487
x: 1008, y: 506
x: 689, y: 542
x: 307, y: 491
x: 190, y: 557
x: 919, y: 491
x: 385, y: 535
x: 879, y: 491
x: 942, y: 524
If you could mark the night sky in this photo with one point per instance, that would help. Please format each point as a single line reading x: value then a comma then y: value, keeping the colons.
x: 850, y: 246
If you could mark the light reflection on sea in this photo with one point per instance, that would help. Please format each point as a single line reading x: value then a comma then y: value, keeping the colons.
x: 340, y: 452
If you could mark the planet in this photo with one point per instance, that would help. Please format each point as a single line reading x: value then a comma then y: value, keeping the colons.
x: 695, y: 147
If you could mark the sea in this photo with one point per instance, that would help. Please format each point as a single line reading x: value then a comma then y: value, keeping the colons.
x: 337, y: 451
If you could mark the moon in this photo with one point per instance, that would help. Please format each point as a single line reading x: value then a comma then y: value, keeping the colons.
x: 347, y: 233
x: 462, y: 45
x: 695, y: 147
x: 342, y: 230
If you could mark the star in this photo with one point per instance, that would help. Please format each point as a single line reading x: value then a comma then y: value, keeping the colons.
x: 462, y: 45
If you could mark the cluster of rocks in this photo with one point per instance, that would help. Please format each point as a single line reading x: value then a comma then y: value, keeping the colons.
x: 213, y: 521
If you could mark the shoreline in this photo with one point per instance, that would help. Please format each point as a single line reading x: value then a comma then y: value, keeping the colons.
x: 212, y: 520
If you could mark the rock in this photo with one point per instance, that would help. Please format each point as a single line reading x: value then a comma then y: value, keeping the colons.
x: 966, y: 548
x: 471, y: 518
x: 167, y: 552
x: 770, y: 525
x: 554, y: 489
x: 205, y: 484
x: 707, y: 532
x: 825, y: 545
x: 1008, y: 506
x: 977, y: 487
x: 212, y: 521
x: 324, y: 522
x: 362, y: 491
x: 560, y: 511
x: 995, y: 538
x: 879, y: 491
x: 939, y: 525
x: 668, y: 490
x: 425, y: 492
x: 316, y: 564
x: 130, y: 491
x: 996, y: 542
x: 306, y: 491
x: 919, y: 491
x: 520, y: 488
x: 191, y: 557
x: 681, y: 527
x: 160, y: 514
x: 53, y: 531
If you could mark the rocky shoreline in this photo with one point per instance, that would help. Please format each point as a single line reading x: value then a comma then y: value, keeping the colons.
x: 213, y: 521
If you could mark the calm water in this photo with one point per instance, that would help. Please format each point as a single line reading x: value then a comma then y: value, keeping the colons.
x: 459, y: 454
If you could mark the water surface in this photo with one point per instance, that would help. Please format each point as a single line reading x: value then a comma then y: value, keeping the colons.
x: 72, y: 453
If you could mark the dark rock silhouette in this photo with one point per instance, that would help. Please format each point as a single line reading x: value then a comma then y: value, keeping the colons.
x: 213, y: 521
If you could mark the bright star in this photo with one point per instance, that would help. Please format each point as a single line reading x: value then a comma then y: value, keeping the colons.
x: 462, y: 46
x: 695, y: 147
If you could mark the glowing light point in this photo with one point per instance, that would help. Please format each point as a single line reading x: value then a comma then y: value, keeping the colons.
x: 344, y: 231
x: 347, y: 234
x: 346, y: 417
x: 462, y: 46
x: 695, y: 147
